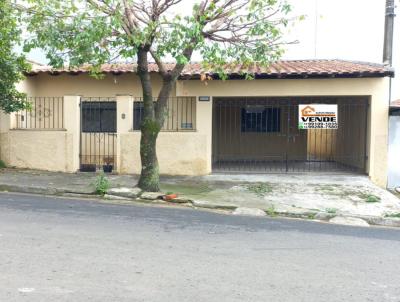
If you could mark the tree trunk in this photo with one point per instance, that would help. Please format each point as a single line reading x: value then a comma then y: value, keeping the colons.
x: 153, y: 120
x: 149, y: 177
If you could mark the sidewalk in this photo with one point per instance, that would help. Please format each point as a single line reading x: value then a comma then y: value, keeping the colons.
x: 56, y: 183
x: 344, y: 199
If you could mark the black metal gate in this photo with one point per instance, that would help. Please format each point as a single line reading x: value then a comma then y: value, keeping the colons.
x: 260, y: 134
x: 98, y: 139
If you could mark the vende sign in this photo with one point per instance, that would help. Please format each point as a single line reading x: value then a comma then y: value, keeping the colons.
x: 318, y: 116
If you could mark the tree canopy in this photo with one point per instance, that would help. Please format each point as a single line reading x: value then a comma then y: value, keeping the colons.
x: 99, y: 31
x: 11, y: 64
x: 76, y: 32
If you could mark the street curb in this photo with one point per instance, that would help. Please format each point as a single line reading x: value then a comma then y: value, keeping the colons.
x: 204, y: 205
x: 381, y: 221
x: 372, y: 220
x: 42, y: 190
x: 33, y: 190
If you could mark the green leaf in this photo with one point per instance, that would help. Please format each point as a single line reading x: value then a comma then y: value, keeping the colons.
x: 12, y: 64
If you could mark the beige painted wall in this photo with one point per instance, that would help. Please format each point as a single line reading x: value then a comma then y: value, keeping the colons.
x: 8, y: 121
x: 27, y: 86
x: 44, y: 150
x: 84, y: 85
x: 179, y: 153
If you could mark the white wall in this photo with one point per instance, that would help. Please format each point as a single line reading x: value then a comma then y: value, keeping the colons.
x: 394, y: 152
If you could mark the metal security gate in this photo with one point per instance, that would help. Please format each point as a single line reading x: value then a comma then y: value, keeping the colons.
x: 261, y: 135
x: 98, y: 139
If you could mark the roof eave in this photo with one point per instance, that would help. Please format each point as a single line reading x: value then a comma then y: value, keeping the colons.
x: 298, y: 76
x: 238, y: 76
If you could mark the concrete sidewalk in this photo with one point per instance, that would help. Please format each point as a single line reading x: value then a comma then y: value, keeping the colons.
x: 345, y: 199
x: 43, y: 182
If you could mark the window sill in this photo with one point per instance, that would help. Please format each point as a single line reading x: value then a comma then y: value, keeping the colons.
x: 38, y: 129
x: 174, y: 131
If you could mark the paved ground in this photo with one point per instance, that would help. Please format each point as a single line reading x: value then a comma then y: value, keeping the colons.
x: 345, y: 194
x: 49, y: 182
x: 55, y: 249
x: 301, y: 195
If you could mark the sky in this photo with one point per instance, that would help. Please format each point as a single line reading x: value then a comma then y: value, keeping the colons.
x: 345, y: 29
x: 340, y: 29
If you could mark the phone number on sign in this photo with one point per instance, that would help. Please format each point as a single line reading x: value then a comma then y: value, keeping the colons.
x: 312, y: 125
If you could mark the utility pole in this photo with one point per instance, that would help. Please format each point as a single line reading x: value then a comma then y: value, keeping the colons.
x: 388, y: 38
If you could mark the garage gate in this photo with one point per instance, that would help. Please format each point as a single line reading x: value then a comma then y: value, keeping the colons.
x: 259, y: 135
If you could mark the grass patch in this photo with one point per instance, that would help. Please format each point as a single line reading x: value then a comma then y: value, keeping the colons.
x: 260, y: 189
x: 331, y: 210
x: 101, y: 184
x: 393, y: 215
x: 366, y: 197
x: 326, y: 188
x: 311, y: 215
x: 271, y: 211
x: 369, y: 197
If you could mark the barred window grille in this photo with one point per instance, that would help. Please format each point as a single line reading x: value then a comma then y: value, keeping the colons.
x: 99, y: 116
x: 181, y: 114
x: 260, y: 119
x: 45, y: 113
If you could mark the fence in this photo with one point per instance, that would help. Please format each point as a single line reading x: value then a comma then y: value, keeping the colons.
x: 98, y: 139
x: 181, y: 114
x: 45, y: 113
x: 261, y: 134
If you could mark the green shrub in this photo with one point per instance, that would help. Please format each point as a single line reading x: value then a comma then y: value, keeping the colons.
x: 311, y: 215
x: 271, y: 211
x: 101, y: 184
x: 2, y: 164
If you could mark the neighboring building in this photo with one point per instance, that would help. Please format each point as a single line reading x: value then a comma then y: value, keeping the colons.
x: 237, y: 125
x: 394, y: 145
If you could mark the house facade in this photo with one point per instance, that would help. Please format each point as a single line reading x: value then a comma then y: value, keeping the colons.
x: 212, y: 126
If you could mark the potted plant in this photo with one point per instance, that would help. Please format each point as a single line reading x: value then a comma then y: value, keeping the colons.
x: 88, y: 168
x: 108, y: 164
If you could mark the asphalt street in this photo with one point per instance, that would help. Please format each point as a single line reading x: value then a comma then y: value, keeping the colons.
x: 59, y: 249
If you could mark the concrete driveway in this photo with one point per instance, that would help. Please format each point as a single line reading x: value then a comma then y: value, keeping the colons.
x: 303, y: 195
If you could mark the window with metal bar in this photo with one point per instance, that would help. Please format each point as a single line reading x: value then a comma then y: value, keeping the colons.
x: 180, y: 114
x: 260, y: 119
x: 44, y: 113
x: 99, y: 117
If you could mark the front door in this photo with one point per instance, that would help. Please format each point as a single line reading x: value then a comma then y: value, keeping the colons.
x: 98, y: 141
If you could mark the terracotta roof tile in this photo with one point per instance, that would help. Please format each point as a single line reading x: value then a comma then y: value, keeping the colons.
x: 279, y: 69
